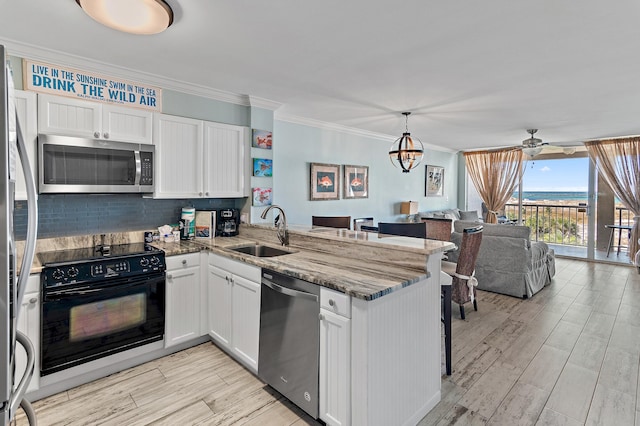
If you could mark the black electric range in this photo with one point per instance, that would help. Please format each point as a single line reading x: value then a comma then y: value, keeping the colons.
x: 85, y: 265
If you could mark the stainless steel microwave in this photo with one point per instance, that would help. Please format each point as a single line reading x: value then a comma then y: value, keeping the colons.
x: 77, y: 165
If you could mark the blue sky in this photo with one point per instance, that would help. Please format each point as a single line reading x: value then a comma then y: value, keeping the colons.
x: 557, y: 175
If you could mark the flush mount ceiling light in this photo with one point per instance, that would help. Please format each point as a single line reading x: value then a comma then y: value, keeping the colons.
x: 130, y: 16
x: 406, y: 152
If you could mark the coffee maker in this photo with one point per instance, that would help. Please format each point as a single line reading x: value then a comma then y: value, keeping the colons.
x: 227, y: 223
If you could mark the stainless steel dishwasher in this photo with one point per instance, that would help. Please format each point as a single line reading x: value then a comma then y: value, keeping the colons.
x: 290, y: 338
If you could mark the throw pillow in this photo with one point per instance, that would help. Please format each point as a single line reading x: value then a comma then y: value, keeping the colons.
x: 438, y: 215
x: 469, y: 215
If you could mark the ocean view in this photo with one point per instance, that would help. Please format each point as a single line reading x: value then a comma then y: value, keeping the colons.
x: 551, y: 196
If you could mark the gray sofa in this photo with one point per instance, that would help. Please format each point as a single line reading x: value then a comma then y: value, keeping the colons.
x: 508, y: 262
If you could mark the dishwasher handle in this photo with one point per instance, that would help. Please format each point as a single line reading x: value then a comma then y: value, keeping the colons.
x: 289, y: 291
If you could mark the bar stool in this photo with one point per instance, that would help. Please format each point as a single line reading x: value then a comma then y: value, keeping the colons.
x: 613, y: 229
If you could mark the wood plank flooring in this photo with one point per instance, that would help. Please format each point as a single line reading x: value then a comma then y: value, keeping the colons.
x: 568, y: 356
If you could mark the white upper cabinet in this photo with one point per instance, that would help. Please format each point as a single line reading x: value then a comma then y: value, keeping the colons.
x: 224, y: 154
x: 127, y: 124
x: 75, y: 117
x: 178, y: 172
x: 27, y: 108
x: 199, y: 159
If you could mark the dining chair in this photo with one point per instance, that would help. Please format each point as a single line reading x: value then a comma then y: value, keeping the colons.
x: 438, y: 228
x: 332, y: 221
x: 359, y: 221
x: 464, y: 283
x: 406, y: 229
x: 366, y: 228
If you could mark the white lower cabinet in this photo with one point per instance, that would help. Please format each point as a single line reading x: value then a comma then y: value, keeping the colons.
x: 29, y: 324
x: 234, y: 308
x: 335, y: 358
x: 182, y: 310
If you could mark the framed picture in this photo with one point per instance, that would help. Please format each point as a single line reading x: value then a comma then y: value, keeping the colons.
x: 262, y: 197
x: 262, y: 139
x: 434, y: 181
x: 262, y: 167
x: 356, y: 181
x: 325, y: 181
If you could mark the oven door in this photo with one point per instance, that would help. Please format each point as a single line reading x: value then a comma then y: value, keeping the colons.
x: 82, y: 323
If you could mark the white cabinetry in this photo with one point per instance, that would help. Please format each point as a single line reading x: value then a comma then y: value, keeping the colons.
x: 75, y: 117
x: 182, y: 311
x: 234, y: 308
x: 224, y: 155
x: 29, y: 324
x: 335, y: 357
x: 27, y: 108
x: 199, y: 159
x: 179, y: 162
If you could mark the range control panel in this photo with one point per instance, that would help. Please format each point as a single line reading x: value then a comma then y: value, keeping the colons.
x: 100, y: 270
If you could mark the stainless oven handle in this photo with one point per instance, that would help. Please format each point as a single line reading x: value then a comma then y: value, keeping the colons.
x: 138, y: 167
x: 289, y: 291
x: 65, y: 294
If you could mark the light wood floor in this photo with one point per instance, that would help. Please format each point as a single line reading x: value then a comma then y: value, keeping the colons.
x: 568, y: 356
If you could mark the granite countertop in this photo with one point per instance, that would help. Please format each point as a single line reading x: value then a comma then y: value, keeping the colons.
x: 362, y: 265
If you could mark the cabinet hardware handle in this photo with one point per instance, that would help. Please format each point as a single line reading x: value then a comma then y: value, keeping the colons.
x: 206, y: 193
x: 33, y: 300
x: 106, y: 135
x: 321, y: 317
x: 200, y: 194
x: 96, y: 134
x: 170, y: 276
x: 184, y: 261
x: 331, y: 302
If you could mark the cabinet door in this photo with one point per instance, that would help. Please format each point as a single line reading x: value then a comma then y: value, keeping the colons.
x: 179, y: 160
x: 245, y: 323
x: 27, y: 108
x: 335, y: 368
x: 182, y: 320
x: 29, y: 324
x: 224, y: 151
x: 71, y: 117
x: 126, y: 124
x: 220, y: 306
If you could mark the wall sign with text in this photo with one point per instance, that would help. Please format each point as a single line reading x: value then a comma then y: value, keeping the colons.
x: 64, y: 81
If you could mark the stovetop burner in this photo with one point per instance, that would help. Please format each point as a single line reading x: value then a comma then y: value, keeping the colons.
x: 86, y: 254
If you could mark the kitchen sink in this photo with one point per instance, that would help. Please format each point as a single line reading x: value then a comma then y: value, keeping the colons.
x: 259, y: 250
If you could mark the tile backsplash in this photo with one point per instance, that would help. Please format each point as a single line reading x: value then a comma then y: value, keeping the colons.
x: 79, y: 214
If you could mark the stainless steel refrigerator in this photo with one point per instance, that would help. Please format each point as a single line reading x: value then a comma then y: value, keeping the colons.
x: 12, y: 288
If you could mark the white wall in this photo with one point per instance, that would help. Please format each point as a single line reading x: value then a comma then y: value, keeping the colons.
x: 295, y: 146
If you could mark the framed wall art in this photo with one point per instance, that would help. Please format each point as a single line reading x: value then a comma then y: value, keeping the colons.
x: 262, y: 139
x: 356, y: 181
x: 325, y: 181
x: 262, y: 167
x: 262, y: 197
x: 434, y: 181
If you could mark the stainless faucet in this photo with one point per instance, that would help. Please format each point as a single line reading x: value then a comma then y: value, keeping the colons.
x: 281, y: 225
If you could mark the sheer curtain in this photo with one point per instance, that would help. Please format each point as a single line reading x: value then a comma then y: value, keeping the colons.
x: 618, y: 161
x: 495, y: 174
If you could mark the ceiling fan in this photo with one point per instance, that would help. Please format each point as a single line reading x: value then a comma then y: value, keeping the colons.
x: 532, y: 146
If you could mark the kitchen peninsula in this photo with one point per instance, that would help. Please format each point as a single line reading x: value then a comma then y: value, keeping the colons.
x: 394, y: 325
x: 389, y: 370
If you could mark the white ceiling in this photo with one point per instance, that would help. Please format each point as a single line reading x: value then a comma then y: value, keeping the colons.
x: 475, y: 74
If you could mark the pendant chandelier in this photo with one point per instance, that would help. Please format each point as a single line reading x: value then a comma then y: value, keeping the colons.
x: 406, y: 152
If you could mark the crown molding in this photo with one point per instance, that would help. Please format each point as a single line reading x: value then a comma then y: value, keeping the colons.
x: 28, y: 51
x: 289, y: 118
x: 258, y: 102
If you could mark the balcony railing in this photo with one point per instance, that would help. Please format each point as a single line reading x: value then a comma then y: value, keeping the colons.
x: 563, y: 224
